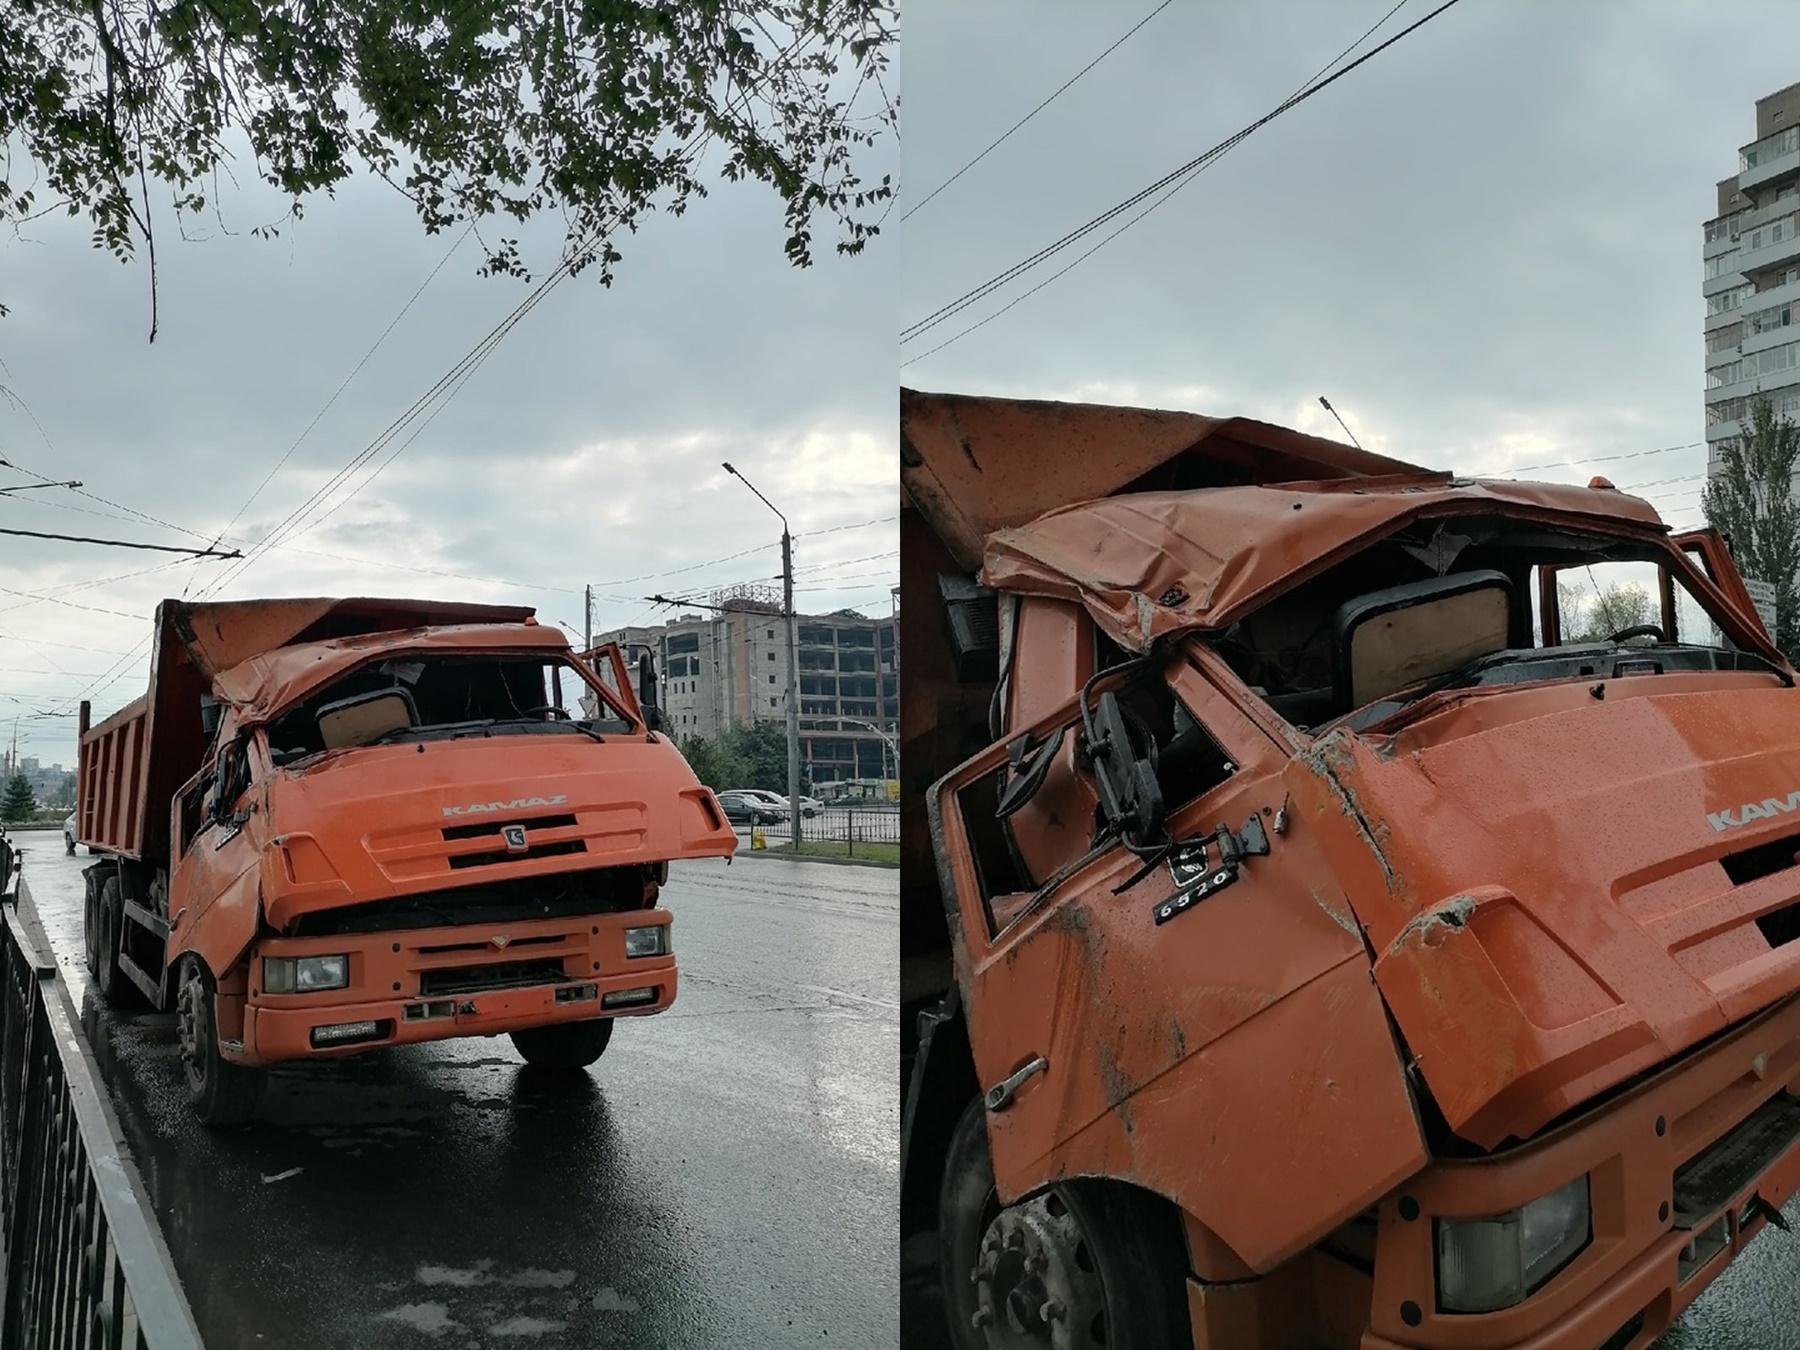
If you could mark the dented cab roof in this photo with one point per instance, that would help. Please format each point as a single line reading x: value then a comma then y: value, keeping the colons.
x: 974, y: 465
x: 1147, y: 565
x: 269, y: 682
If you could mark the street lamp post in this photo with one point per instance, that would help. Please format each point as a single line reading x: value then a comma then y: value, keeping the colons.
x: 793, y: 679
x: 887, y: 742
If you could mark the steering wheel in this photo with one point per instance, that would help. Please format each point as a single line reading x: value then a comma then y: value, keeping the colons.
x: 1638, y: 630
x: 551, y: 711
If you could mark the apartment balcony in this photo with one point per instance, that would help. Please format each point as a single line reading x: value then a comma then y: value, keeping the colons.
x: 1769, y: 160
x: 1769, y: 255
x: 1725, y: 281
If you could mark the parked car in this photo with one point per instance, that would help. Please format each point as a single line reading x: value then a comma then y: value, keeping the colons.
x: 809, y: 806
x: 743, y: 805
x: 69, y: 833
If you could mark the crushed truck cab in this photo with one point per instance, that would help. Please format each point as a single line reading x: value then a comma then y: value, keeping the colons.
x: 338, y: 824
x: 1367, y: 903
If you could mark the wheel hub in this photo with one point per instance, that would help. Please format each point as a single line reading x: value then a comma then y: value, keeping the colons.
x: 1036, y: 1281
x: 189, y: 1013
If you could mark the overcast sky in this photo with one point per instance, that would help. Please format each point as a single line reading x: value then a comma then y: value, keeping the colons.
x: 1484, y: 245
x: 586, y: 450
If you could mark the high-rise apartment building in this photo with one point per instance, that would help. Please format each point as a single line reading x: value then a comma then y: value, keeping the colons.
x: 729, y: 669
x: 1752, y: 277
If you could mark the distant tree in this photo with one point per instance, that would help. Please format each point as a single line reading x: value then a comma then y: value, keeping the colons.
x: 598, y: 111
x: 713, y: 763
x: 18, y: 804
x: 761, y: 751
x: 1595, y: 618
x: 1751, y: 502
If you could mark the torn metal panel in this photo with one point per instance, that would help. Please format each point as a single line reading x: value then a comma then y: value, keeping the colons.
x: 220, y: 634
x: 1150, y: 565
x: 266, y: 683
x: 974, y: 465
x: 1537, y: 943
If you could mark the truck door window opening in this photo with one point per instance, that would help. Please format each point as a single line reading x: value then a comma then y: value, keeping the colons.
x: 435, y: 696
x: 1017, y: 856
x: 1285, y: 651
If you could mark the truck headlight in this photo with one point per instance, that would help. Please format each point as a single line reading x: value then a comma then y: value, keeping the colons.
x: 1494, y: 1262
x: 304, y: 974
x: 651, y: 941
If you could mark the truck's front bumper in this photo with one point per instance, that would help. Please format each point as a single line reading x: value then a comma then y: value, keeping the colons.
x: 426, y: 984
x: 1653, y: 1246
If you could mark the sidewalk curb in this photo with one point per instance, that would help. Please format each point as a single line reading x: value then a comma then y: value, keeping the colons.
x: 814, y: 858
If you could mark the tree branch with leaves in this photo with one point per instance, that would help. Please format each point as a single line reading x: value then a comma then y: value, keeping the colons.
x: 475, y: 110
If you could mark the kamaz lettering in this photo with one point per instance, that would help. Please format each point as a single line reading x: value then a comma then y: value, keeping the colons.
x: 482, y: 808
x: 1767, y: 809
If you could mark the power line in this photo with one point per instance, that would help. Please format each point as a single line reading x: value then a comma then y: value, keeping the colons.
x: 1603, y: 459
x: 447, y: 386
x: 355, y: 371
x: 1311, y: 88
x: 688, y: 602
x: 995, y: 143
x: 122, y: 543
x: 1208, y: 161
x: 60, y: 591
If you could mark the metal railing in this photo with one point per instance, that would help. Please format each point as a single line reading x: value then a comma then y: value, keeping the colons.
x: 82, y: 1266
x: 844, y: 829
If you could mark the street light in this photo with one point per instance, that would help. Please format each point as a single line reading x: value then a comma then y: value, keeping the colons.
x: 887, y: 746
x: 793, y: 686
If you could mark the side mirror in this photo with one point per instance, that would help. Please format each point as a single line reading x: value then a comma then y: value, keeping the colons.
x: 1124, y: 773
x: 210, y: 711
x: 646, y: 691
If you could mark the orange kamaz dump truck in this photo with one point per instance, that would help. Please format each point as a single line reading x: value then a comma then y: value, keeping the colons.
x: 331, y: 825
x: 1345, y: 904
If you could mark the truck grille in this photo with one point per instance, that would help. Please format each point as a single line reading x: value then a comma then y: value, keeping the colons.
x: 560, y: 895
x: 500, y: 975
x: 487, y: 827
x: 491, y: 829
x: 504, y: 855
x: 1713, y: 1176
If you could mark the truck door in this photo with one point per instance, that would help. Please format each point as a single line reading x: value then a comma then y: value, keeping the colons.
x: 1710, y: 553
x: 608, y: 663
x: 1116, y: 1032
x: 213, y: 888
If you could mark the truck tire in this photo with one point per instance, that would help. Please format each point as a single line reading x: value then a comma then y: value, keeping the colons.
x: 222, y: 1093
x: 1083, y: 1263
x: 564, y: 1046
x: 69, y: 840
x: 106, y: 916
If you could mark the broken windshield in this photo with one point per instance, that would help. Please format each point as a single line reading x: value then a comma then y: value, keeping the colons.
x: 1477, y: 600
x: 433, y: 696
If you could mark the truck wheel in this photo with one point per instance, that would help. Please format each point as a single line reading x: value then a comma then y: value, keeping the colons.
x: 70, y: 841
x: 1081, y: 1264
x: 105, y: 915
x: 565, y: 1045
x: 222, y: 1093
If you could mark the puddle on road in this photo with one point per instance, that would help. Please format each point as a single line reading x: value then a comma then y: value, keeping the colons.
x: 526, y: 1326
x: 611, y: 1300
x: 431, y: 1318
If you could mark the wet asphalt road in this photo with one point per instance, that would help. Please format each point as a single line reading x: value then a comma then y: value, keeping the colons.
x: 727, y: 1175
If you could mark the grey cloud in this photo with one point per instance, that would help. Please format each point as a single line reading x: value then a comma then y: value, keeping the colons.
x: 1484, y: 245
